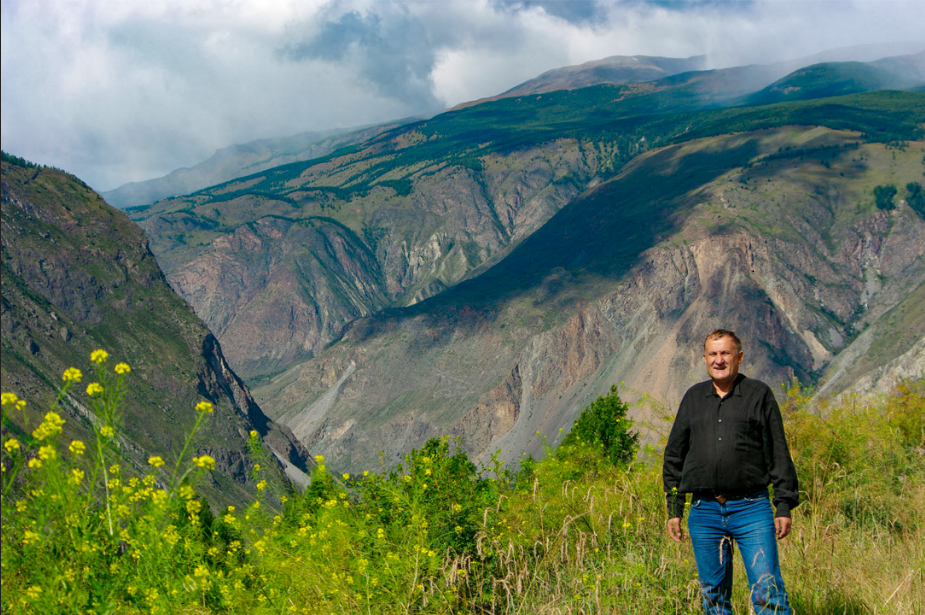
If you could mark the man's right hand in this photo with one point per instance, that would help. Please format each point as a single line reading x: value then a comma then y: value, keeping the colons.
x: 675, y: 530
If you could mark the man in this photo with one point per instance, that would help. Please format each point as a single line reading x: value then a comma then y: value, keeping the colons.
x: 726, y: 446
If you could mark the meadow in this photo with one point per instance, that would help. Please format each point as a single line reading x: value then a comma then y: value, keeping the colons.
x: 580, y: 531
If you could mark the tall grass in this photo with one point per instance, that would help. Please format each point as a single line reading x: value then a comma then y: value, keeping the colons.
x: 572, y: 533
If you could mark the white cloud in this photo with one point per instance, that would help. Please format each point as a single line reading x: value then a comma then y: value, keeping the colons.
x: 118, y: 91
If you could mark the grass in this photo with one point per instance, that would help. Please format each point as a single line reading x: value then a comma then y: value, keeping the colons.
x: 571, y: 533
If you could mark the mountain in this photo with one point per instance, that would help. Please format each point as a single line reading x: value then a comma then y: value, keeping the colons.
x: 78, y: 275
x: 839, y: 78
x: 487, y: 272
x: 236, y: 161
x: 773, y: 233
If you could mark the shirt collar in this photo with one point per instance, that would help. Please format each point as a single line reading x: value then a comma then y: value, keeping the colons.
x: 736, y: 387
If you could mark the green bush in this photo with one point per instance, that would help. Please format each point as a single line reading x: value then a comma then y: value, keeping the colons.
x: 884, y: 197
x: 603, y: 425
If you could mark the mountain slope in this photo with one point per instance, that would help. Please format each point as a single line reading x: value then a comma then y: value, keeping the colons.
x: 278, y: 263
x: 840, y: 78
x: 78, y: 275
x: 772, y: 233
x: 236, y: 161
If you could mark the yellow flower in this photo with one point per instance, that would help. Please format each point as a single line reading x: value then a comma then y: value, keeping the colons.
x: 262, y: 485
x: 72, y: 374
x: 49, y: 427
x: 406, y: 478
x: 34, y: 592
x: 458, y: 529
x: 159, y: 497
x: 204, y: 407
x: 8, y: 398
x: 77, y: 447
x: 77, y: 476
x: 205, y: 461
x: 47, y: 452
x: 94, y: 388
x: 122, y: 368
x: 346, y: 475
x: 35, y: 463
x: 254, y: 433
x: 319, y: 458
x: 12, y: 444
x: 155, y: 461
x: 193, y: 506
x: 99, y: 356
x: 107, y: 432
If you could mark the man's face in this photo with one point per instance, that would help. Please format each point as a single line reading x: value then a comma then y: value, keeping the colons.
x: 722, y: 359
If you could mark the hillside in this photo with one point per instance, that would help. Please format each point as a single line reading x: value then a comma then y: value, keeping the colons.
x: 77, y: 275
x: 236, y: 161
x: 620, y: 286
x: 840, y: 78
x: 278, y: 263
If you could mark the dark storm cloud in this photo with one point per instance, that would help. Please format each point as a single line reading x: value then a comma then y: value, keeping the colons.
x: 392, y: 52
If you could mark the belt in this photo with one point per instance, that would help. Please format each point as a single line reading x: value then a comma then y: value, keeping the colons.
x: 728, y: 496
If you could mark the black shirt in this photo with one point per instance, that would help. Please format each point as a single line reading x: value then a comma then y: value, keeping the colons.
x: 729, y: 446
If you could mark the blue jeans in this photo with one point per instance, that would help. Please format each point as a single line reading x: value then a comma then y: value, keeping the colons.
x: 749, y: 522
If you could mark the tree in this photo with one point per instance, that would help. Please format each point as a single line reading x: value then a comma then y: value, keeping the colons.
x: 604, y: 424
x: 884, y: 196
x: 916, y: 198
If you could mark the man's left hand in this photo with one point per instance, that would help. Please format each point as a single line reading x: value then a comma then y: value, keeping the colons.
x: 782, y: 526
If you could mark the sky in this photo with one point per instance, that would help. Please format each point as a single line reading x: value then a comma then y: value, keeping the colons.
x: 126, y: 90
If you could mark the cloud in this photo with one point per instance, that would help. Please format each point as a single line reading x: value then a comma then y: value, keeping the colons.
x: 119, y: 91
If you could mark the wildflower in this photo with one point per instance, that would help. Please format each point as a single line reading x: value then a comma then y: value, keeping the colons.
x: 205, y: 461
x: 159, y: 497
x: 72, y: 374
x: 155, y: 461
x: 186, y: 492
x: 107, y: 432
x: 50, y: 426
x: 99, y: 356
x: 35, y: 463
x: 253, y: 433
x: 77, y: 476
x: 34, y: 592
x: 319, y: 458
x: 346, y: 475
x: 256, y: 467
x: 8, y: 399
x: 193, y: 507
x: 204, y: 407
x: 457, y: 507
x: 122, y: 368
x: 458, y: 529
x: 12, y: 444
x: 29, y: 537
x: 94, y: 388
x: 77, y: 447
x: 406, y: 478
x: 261, y: 485
x: 47, y: 452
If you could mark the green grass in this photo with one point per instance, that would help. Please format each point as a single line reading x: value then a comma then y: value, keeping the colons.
x: 572, y: 533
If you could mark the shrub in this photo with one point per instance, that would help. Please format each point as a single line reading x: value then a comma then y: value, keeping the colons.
x: 604, y: 425
x: 883, y: 195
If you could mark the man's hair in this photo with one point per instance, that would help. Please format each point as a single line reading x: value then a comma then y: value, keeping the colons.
x: 719, y: 334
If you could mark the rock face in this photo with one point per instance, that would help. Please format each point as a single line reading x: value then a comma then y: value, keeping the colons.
x: 788, y: 251
x: 78, y: 275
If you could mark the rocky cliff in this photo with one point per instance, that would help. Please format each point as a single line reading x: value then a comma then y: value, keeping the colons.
x: 78, y: 275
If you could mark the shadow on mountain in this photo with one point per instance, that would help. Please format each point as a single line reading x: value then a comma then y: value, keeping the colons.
x: 600, y: 235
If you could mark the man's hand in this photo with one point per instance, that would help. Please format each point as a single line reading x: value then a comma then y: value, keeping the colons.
x: 781, y: 526
x: 675, y: 531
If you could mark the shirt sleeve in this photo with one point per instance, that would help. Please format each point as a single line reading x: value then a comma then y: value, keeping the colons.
x: 780, y: 464
x: 675, y: 453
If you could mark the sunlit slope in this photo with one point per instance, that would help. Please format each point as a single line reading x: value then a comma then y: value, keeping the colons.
x: 77, y: 275
x: 279, y: 262
x: 773, y: 233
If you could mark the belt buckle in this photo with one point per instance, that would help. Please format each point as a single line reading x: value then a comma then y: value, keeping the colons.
x: 721, y: 499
